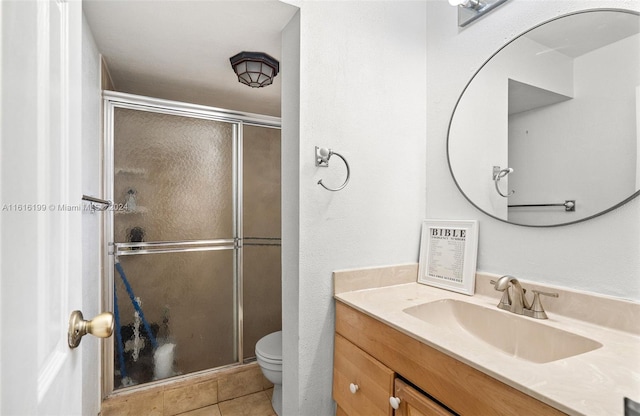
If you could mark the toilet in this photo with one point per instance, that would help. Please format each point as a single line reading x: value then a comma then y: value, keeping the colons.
x: 269, y: 357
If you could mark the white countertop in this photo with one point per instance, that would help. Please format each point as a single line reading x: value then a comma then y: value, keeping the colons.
x: 593, y: 383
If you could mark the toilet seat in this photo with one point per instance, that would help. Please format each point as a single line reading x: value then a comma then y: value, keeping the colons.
x: 269, y: 348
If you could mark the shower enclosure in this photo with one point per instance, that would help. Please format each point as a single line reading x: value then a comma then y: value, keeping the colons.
x: 193, y: 264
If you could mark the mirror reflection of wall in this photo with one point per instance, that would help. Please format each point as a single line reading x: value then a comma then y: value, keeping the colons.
x: 602, y: 106
x: 559, y: 106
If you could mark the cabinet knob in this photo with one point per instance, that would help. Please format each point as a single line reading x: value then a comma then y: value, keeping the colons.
x: 353, y: 388
x: 394, y: 402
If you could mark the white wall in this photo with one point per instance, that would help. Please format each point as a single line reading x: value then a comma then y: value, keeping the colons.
x: 362, y: 92
x: 600, y: 119
x: 91, y: 157
x: 479, y: 131
x: 290, y: 168
x: 601, y: 255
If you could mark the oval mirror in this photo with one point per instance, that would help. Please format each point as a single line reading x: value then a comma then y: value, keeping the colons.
x: 547, y: 131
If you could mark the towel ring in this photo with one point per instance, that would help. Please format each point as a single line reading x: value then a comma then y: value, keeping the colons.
x: 499, y: 174
x: 322, y: 160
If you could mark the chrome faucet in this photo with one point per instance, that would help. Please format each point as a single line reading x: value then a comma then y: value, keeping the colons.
x: 515, y: 300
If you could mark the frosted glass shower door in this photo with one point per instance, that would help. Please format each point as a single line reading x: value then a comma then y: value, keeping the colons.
x: 174, y: 228
x: 173, y: 177
x: 262, y: 268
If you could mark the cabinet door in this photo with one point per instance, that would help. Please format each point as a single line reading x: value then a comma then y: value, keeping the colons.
x: 361, y: 384
x: 414, y: 403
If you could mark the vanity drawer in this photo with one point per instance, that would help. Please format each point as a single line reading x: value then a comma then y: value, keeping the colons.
x: 415, y: 403
x: 374, y: 381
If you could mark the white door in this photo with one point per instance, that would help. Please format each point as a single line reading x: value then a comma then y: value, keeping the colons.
x: 40, y: 192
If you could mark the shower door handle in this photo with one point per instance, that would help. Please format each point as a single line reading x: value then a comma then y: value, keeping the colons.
x: 101, y: 326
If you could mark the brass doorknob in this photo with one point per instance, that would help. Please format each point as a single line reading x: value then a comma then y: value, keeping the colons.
x: 101, y: 326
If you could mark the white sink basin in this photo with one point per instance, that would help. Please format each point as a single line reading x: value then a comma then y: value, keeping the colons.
x: 516, y: 335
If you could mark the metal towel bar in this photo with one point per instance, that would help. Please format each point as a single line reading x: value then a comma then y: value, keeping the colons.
x: 569, y: 205
x: 186, y: 246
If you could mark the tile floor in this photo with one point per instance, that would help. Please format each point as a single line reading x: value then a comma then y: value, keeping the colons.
x: 256, y: 404
x: 236, y: 391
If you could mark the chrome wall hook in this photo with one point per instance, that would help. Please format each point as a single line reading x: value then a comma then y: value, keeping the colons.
x: 322, y: 160
x: 499, y: 174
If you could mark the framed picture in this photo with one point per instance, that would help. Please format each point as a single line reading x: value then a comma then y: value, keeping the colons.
x: 448, y: 253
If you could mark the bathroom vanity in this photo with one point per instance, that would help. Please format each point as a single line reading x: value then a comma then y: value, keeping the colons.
x: 363, y: 344
x: 434, y: 364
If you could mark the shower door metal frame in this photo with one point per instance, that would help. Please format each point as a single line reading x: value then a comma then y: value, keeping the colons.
x: 113, y: 100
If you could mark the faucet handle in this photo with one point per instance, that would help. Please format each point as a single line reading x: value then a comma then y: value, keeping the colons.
x: 539, y: 292
x: 537, y: 311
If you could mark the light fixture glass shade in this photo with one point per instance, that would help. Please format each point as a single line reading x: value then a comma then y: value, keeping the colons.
x: 255, y: 69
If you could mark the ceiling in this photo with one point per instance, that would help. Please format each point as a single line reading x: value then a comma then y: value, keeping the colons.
x: 180, y: 49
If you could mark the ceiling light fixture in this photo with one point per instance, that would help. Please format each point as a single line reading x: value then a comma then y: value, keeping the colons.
x: 255, y: 69
x: 470, y: 10
x: 469, y: 4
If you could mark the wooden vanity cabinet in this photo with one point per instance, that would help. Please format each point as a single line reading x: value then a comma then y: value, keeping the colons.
x: 414, y: 403
x: 363, y: 342
x: 361, y: 384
